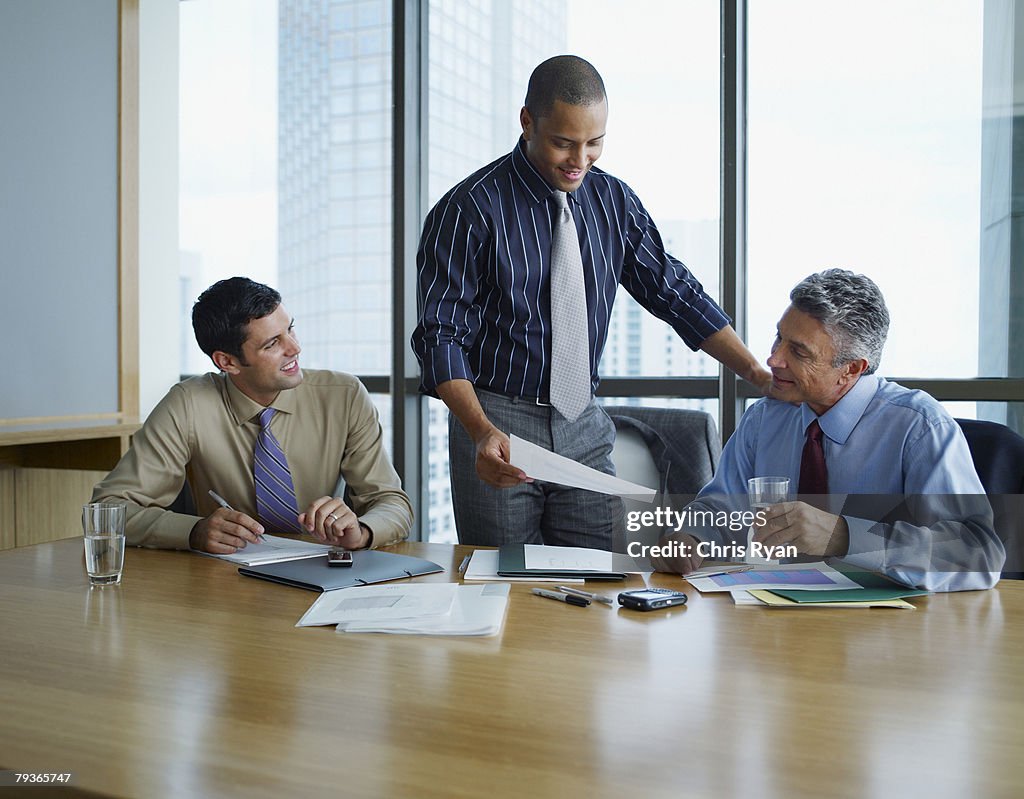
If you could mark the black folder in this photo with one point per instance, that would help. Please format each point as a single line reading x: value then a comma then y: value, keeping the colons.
x: 512, y: 563
x: 368, y: 566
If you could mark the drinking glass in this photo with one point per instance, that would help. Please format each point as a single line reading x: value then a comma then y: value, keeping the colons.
x: 103, y: 526
x: 763, y: 492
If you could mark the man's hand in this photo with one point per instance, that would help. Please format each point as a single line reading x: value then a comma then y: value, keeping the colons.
x: 492, y: 445
x: 762, y: 379
x: 685, y: 559
x: 492, y: 466
x: 811, y: 530
x: 331, y: 521
x: 224, y: 532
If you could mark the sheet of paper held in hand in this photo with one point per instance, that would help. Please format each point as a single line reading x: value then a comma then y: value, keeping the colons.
x: 273, y: 550
x: 542, y: 464
x: 817, y: 576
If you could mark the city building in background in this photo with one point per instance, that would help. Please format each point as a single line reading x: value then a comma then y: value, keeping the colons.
x: 900, y: 166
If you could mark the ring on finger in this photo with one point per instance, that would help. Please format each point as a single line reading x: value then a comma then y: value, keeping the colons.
x: 332, y: 516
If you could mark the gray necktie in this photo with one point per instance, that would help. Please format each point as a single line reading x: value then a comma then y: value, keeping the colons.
x: 570, y: 337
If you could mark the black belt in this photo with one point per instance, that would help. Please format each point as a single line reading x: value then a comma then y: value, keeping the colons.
x: 528, y: 400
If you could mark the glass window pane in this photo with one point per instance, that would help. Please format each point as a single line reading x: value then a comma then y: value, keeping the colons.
x: 888, y: 157
x: 228, y: 118
x: 480, y: 59
x: 274, y: 183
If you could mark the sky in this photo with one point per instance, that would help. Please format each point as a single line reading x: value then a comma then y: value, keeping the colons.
x: 864, y: 146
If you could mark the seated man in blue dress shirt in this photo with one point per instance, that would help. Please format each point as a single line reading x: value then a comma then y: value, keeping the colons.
x: 877, y: 439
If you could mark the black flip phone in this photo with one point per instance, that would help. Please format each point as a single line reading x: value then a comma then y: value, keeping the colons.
x: 651, y: 598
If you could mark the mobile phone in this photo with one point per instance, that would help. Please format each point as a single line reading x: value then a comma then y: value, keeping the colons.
x: 651, y: 598
x: 339, y: 557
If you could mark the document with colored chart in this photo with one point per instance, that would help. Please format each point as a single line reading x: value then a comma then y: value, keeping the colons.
x: 816, y: 576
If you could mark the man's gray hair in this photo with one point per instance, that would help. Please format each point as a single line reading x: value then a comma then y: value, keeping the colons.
x: 852, y: 309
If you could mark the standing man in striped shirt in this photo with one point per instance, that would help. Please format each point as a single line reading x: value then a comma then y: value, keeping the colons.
x: 518, y: 269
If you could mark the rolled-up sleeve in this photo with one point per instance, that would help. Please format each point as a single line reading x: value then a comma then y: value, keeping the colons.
x: 448, y: 278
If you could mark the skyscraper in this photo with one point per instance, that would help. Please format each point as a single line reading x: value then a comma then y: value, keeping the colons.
x: 334, y: 159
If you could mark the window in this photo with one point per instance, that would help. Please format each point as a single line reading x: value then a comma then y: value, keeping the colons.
x: 880, y: 138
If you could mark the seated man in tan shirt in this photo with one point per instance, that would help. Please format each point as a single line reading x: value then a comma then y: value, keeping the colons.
x: 278, y: 469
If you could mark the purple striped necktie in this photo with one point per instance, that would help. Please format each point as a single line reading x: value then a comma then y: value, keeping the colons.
x: 275, y: 494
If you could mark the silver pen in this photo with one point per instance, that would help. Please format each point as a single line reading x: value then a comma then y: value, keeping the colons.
x: 224, y: 504
x: 586, y: 594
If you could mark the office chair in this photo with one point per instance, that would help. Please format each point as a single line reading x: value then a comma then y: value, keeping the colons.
x: 184, y: 502
x: 673, y: 450
x: 998, y: 454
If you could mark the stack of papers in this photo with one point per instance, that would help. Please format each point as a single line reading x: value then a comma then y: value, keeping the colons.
x: 773, y: 600
x: 806, y: 585
x: 273, y: 549
x: 412, y: 609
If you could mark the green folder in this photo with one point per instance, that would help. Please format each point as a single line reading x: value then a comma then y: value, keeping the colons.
x: 873, y: 587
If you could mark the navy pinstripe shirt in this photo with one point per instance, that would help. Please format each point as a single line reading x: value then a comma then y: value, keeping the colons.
x: 484, y: 265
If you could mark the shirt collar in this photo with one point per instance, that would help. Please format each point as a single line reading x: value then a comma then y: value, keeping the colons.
x: 537, y: 188
x: 244, y: 408
x: 838, y: 421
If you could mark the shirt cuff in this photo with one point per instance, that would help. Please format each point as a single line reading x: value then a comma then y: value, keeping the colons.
x: 443, y: 363
x: 867, y: 549
x: 384, y: 529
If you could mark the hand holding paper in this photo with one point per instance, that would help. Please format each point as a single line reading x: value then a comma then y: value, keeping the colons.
x: 542, y: 464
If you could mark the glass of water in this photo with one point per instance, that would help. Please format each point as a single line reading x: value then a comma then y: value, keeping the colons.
x: 103, y: 525
x: 763, y: 492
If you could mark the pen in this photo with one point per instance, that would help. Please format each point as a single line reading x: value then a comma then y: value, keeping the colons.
x: 586, y: 594
x: 465, y: 563
x: 569, y: 599
x: 223, y: 503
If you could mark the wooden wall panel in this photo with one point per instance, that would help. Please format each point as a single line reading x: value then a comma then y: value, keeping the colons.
x: 6, y: 507
x: 55, y: 497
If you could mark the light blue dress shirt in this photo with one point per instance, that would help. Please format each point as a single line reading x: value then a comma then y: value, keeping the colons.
x: 880, y: 439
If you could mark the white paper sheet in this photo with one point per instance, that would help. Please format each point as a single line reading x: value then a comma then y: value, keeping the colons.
x: 381, y: 603
x: 542, y: 464
x: 273, y: 549
x: 539, y: 556
x: 477, y: 610
x: 483, y: 567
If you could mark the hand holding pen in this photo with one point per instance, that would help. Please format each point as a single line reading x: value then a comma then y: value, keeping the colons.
x: 224, y: 531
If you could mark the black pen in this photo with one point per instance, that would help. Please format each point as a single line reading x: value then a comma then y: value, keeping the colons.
x: 569, y: 599
x: 586, y: 595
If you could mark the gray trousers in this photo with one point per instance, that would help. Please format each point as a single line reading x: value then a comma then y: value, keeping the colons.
x: 535, y: 513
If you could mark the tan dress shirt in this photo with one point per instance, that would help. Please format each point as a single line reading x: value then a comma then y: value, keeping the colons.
x: 204, y: 431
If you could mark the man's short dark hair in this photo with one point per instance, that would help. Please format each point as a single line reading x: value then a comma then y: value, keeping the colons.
x: 852, y: 309
x: 567, y: 78
x: 221, y: 315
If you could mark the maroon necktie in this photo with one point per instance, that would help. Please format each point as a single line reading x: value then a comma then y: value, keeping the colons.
x: 813, y: 473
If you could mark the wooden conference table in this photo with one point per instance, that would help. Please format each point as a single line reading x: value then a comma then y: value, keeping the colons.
x: 191, y: 680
